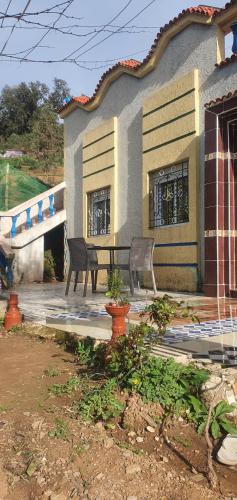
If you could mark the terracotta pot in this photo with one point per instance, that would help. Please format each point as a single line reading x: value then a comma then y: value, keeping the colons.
x: 13, y: 315
x: 118, y: 314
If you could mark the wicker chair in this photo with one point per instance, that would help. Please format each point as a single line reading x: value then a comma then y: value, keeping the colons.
x: 83, y: 259
x: 140, y: 259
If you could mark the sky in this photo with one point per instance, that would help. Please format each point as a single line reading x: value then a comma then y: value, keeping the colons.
x: 134, y: 41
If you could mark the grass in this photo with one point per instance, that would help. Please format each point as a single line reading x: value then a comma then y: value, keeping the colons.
x: 61, y: 430
x: 3, y: 408
x: 130, y: 447
x: 185, y: 442
x: 51, y: 372
x: 68, y: 388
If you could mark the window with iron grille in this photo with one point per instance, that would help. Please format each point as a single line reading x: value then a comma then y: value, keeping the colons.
x: 99, y: 212
x: 169, y: 202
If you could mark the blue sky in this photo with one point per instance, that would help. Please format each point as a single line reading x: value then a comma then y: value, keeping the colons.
x: 92, y: 61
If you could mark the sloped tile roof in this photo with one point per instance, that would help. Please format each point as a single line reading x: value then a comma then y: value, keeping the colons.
x: 132, y: 65
x: 219, y: 100
x: 227, y: 61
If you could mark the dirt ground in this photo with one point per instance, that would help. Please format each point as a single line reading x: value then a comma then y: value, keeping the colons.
x: 87, y: 461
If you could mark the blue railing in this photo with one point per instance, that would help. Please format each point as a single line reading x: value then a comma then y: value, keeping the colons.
x: 40, y: 205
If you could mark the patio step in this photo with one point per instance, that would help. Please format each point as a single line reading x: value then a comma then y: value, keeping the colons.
x: 163, y: 351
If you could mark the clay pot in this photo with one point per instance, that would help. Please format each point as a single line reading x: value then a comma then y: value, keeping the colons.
x: 118, y: 314
x: 13, y: 315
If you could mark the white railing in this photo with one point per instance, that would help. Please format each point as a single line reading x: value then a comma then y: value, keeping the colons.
x: 32, y: 211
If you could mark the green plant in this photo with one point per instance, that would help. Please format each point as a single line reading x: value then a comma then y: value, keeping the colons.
x: 49, y: 266
x: 51, y: 372
x: 61, y: 430
x: 219, y: 424
x: 166, y: 382
x: 115, y: 284
x: 3, y: 408
x: 129, y: 352
x: 99, y: 403
x: 164, y: 309
x: 84, y: 349
x: 70, y: 386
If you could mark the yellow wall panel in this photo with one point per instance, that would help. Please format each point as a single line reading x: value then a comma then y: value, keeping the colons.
x: 171, y: 91
x: 98, y: 147
x: 169, y: 132
x: 169, y: 112
x: 174, y: 152
x: 97, y: 164
x: 105, y: 128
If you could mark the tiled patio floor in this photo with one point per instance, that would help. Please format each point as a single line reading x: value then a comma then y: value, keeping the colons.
x: 47, y: 304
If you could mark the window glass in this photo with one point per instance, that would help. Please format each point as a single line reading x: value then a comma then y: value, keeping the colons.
x: 99, y: 212
x: 169, y: 203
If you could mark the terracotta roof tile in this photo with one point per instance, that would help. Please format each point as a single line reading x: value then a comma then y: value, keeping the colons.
x: 133, y: 65
x: 214, y: 102
x: 227, y: 61
x: 228, y: 5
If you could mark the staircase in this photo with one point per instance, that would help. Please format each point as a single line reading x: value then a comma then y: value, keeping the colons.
x: 24, y: 227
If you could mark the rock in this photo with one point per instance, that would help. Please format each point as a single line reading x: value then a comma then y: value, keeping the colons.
x: 139, y: 439
x: 3, y: 485
x: 227, y: 453
x: 59, y: 496
x: 108, y: 443
x: 197, y: 478
x: 150, y: 429
x: 131, y: 498
x: 133, y: 469
x: 157, y: 438
x: 165, y: 459
x: 131, y: 434
x: 99, y: 476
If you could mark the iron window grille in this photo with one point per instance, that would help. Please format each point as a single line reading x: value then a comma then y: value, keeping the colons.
x: 99, y: 212
x: 169, y: 201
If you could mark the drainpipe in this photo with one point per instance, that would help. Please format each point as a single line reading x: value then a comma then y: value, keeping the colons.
x: 234, y: 31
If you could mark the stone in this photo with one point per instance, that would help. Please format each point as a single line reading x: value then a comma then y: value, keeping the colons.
x: 150, y: 429
x: 139, y: 439
x: 227, y: 453
x: 131, y: 434
x: 99, y: 476
x: 131, y: 498
x: 157, y: 438
x: 108, y: 443
x: 165, y: 459
x: 133, y: 469
x: 59, y: 496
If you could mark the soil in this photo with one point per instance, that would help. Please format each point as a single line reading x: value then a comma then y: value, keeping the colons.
x: 89, y: 461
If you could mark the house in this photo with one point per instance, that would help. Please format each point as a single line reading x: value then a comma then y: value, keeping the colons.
x: 153, y: 152
x: 13, y: 153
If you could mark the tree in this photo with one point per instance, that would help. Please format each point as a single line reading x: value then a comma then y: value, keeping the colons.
x: 58, y: 94
x: 18, y: 105
x: 47, y: 135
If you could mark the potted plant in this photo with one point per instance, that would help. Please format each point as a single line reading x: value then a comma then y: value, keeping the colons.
x: 119, y: 308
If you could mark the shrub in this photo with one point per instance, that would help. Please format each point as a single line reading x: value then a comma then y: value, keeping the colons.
x: 100, y: 403
x: 49, y: 266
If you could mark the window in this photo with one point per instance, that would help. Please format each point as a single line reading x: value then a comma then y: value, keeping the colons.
x: 169, y: 196
x: 99, y: 212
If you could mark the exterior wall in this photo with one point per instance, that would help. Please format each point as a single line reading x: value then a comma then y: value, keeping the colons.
x: 194, y: 47
x: 29, y: 262
x: 221, y: 199
x: 100, y: 171
x: 170, y: 136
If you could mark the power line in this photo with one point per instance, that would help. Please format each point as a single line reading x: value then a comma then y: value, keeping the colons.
x: 105, y: 26
x: 68, y: 4
x: 13, y: 27
x: 116, y: 31
x: 6, y: 11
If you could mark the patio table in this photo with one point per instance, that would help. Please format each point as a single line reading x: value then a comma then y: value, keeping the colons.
x: 111, y: 249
